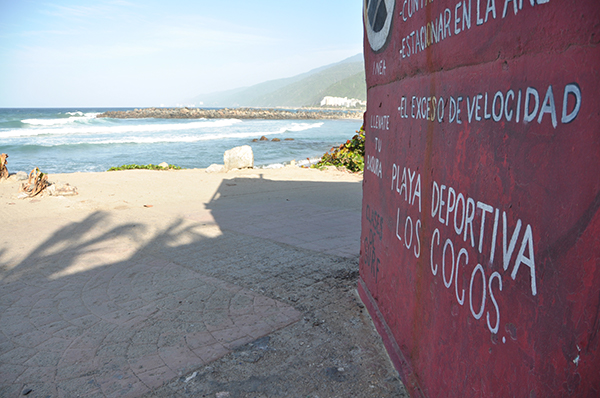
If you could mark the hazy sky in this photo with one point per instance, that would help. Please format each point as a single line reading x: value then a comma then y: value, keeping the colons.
x: 148, y: 53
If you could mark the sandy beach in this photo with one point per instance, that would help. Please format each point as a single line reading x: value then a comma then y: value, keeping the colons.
x: 187, y: 283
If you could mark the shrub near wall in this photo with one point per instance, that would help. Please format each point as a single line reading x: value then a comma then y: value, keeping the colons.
x: 350, y: 155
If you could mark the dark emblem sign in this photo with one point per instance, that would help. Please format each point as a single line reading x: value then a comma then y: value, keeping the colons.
x: 378, y: 16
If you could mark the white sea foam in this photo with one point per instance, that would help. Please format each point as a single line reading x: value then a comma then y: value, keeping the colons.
x: 307, y: 162
x: 303, y: 126
x: 273, y: 166
x: 293, y: 127
x: 134, y: 133
x: 123, y: 129
x: 174, y: 139
x: 46, y: 122
x: 77, y: 117
x: 127, y: 135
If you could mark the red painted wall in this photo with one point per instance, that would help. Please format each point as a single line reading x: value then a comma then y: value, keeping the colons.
x: 480, y: 256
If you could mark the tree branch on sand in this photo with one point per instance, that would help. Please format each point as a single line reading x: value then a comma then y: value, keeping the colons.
x: 3, y: 169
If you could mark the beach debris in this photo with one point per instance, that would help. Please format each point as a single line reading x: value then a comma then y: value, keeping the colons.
x: 21, y: 176
x: 190, y: 377
x: 335, y: 374
x: 215, y: 168
x: 36, y: 183
x: 66, y: 190
x: 3, y: 169
x: 240, y: 157
x: 148, y: 205
x: 164, y: 165
x: 61, y: 190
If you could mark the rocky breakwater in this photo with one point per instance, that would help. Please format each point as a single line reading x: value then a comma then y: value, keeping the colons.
x: 230, y: 113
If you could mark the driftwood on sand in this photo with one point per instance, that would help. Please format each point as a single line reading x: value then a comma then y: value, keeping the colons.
x: 3, y: 168
x: 36, y: 183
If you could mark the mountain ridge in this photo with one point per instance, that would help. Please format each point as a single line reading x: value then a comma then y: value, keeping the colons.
x: 346, y: 78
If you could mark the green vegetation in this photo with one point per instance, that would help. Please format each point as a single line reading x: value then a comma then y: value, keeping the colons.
x: 351, y: 87
x: 312, y: 89
x: 350, y: 155
x: 144, y: 167
x: 343, y: 79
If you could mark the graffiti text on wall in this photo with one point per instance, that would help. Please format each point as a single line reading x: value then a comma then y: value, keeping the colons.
x: 477, y: 225
x: 454, y: 20
x: 556, y: 104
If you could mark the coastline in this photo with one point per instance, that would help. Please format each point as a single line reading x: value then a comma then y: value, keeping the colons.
x: 70, y: 140
x: 233, y: 113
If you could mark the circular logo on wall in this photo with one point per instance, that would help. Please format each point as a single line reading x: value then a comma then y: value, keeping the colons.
x: 378, y: 21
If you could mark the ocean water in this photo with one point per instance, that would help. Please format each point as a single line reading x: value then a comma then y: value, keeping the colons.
x: 72, y: 140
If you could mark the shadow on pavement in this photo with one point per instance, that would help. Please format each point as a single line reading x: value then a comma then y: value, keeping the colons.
x: 252, y: 293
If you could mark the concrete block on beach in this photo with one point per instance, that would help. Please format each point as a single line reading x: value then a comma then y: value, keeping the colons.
x: 240, y: 157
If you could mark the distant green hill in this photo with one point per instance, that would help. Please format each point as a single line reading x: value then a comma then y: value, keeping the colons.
x: 351, y: 87
x: 343, y: 79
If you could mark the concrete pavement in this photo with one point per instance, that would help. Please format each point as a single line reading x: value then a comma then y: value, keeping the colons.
x: 140, y: 299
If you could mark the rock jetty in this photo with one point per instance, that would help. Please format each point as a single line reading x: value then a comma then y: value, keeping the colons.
x: 230, y: 113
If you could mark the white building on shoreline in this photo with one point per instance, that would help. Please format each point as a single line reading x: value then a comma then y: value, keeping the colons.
x: 346, y: 102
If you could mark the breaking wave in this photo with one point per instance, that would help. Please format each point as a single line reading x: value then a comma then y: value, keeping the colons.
x: 103, y: 128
